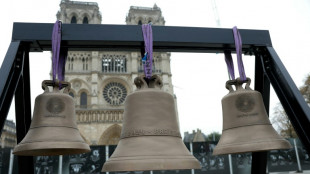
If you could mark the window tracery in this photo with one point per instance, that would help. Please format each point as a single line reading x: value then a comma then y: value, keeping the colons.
x: 70, y: 64
x: 114, y: 63
x: 156, y: 68
x: 114, y: 93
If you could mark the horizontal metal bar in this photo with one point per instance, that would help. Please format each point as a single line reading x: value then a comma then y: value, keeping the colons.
x: 129, y: 37
x: 290, y: 97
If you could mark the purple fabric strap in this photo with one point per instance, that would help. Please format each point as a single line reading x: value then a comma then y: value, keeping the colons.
x: 59, y: 55
x: 230, y: 64
x: 229, y: 60
x: 238, y: 44
x: 148, y: 45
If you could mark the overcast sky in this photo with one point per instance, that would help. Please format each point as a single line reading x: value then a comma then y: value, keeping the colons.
x: 198, y: 79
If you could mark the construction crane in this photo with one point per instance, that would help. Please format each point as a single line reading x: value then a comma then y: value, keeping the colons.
x: 215, y: 12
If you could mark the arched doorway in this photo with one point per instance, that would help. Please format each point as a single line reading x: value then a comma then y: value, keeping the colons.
x: 111, y: 135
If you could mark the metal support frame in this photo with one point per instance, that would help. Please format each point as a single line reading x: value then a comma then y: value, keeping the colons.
x: 35, y: 37
x: 293, y: 103
x: 261, y: 84
x: 16, y: 81
x: 23, y: 107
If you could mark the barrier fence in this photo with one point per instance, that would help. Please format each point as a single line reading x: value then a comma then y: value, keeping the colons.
x: 295, y: 159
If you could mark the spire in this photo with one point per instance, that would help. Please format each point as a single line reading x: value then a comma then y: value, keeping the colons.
x: 155, y: 6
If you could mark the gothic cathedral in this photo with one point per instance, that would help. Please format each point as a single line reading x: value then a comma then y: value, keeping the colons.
x: 101, y: 80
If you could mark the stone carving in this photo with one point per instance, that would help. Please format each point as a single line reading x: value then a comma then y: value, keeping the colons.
x: 77, y: 85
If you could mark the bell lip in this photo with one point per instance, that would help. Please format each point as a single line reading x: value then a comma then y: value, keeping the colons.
x: 50, y: 148
x: 147, y: 164
x: 160, y: 157
x: 275, y: 144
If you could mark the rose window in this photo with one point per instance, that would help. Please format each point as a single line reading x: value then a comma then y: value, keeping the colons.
x: 114, y: 93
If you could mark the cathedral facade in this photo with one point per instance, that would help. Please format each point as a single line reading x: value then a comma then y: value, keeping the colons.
x: 101, y: 80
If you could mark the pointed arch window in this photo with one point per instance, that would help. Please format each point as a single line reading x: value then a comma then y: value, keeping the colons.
x: 85, y: 64
x: 83, y: 60
x: 73, y: 20
x: 83, y: 100
x: 140, y: 22
x: 85, y: 20
x: 70, y: 63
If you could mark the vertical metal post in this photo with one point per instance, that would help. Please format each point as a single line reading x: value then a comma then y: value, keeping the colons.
x: 107, y: 155
x: 60, y: 164
x: 231, y: 171
x: 9, y: 77
x: 23, y: 108
x: 11, y: 162
x: 262, y: 85
x: 297, y: 157
x: 294, y: 104
x: 191, y: 149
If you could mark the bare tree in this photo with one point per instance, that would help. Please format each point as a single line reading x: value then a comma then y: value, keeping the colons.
x: 282, y: 122
x: 305, y: 90
x: 214, y: 136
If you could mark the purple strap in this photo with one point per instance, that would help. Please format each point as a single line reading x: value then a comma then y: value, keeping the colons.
x: 230, y: 64
x: 238, y: 44
x: 148, y: 44
x: 59, y: 55
x: 229, y: 60
x: 62, y: 63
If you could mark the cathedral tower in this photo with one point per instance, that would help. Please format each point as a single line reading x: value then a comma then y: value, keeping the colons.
x: 101, y: 80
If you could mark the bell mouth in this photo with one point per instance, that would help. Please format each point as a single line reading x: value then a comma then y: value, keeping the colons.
x: 146, y: 153
x: 252, y: 147
x: 253, y: 138
x: 151, y: 163
x: 51, y: 148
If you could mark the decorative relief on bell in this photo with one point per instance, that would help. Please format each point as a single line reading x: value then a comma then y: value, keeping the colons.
x: 245, y: 103
x: 150, y: 132
x: 55, y: 106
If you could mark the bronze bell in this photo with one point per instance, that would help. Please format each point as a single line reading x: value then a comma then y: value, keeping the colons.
x: 150, y: 137
x: 53, y: 130
x: 246, y: 126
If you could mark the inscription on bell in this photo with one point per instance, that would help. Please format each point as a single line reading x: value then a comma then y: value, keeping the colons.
x: 55, y: 106
x: 245, y: 103
x: 142, y: 132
